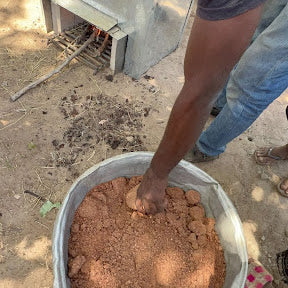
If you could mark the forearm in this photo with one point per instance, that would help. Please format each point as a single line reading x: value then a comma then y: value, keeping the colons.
x: 185, y: 124
x: 213, y: 50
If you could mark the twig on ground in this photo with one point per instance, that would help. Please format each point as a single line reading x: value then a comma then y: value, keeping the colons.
x: 76, y: 163
x: 55, y: 71
x: 36, y: 66
x: 129, y: 116
x: 41, y: 224
x: 47, y: 167
x: 91, y: 156
x: 39, y: 178
x: 97, y: 86
x: 11, y: 124
x: 7, y: 90
x: 35, y: 195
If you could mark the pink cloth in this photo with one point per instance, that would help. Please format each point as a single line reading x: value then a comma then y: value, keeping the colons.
x: 257, y: 276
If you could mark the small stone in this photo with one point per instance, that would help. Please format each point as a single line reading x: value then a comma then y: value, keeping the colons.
x: 202, y: 241
x: 148, y: 77
x: 193, y: 240
x: 109, y: 78
x: 197, y: 212
x: 2, y: 259
x: 160, y: 121
x: 192, y: 237
x: 75, y: 265
x: 135, y: 215
x: 17, y: 196
x: 146, y: 111
x: 55, y: 142
x: 197, y: 227
x: 210, y: 225
x: 130, y: 138
x: 75, y: 228
x: 263, y: 238
x: 99, y: 196
x: 131, y: 197
x: 152, y: 89
x: 175, y: 192
x: 193, y: 197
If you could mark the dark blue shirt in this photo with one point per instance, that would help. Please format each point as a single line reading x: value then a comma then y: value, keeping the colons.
x: 224, y: 9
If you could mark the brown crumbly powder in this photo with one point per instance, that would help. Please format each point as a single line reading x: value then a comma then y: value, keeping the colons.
x: 112, y: 246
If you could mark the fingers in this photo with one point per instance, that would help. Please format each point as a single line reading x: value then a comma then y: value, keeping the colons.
x: 145, y: 206
x: 139, y: 206
x: 165, y: 203
x: 150, y: 207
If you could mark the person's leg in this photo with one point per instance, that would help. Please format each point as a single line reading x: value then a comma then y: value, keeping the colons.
x: 221, y: 99
x: 265, y: 156
x: 260, y: 77
x: 271, y: 10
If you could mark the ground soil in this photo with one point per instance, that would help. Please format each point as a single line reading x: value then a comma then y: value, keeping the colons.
x: 111, y: 245
x: 34, y: 129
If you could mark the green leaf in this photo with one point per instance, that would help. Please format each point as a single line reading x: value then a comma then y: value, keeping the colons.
x: 31, y: 145
x: 48, y: 206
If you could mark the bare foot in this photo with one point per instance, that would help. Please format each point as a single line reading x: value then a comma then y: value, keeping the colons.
x: 265, y: 156
x: 283, y: 187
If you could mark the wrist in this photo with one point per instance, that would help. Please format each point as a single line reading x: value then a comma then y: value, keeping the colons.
x: 156, y: 171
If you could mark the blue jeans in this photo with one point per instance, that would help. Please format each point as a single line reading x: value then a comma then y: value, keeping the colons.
x: 259, y: 77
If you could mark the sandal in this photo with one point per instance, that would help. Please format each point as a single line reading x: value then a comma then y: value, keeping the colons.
x: 195, y: 156
x: 265, y: 153
x: 215, y: 111
x: 280, y: 190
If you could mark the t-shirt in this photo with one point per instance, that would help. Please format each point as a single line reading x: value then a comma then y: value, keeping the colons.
x: 224, y: 9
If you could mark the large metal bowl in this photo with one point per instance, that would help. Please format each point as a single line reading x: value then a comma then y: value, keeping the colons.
x: 184, y: 175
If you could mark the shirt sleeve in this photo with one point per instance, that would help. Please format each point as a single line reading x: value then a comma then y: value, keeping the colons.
x: 223, y: 9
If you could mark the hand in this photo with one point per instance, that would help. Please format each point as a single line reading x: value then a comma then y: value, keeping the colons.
x: 151, y: 193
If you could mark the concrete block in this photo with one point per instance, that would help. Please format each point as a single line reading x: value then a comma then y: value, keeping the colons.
x: 47, y: 14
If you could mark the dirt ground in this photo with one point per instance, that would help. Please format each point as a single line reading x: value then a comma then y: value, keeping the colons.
x: 57, y: 131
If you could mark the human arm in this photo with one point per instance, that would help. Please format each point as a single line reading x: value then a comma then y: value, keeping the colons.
x: 213, y: 49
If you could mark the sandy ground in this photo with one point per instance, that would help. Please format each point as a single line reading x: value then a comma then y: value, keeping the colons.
x: 30, y: 159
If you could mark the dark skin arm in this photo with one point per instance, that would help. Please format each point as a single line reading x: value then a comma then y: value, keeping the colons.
x: 213, y: 49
